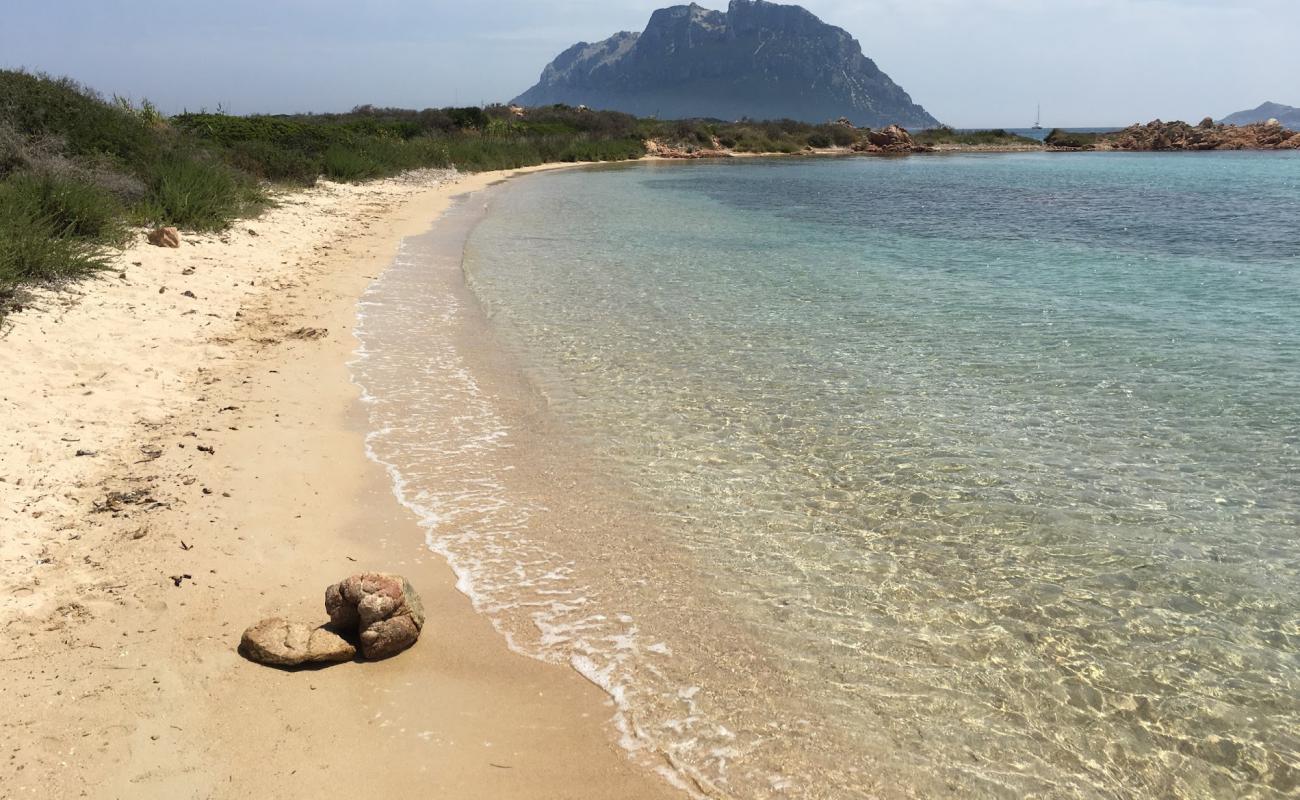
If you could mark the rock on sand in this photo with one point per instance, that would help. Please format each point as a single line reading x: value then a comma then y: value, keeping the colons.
x: 282, y: 643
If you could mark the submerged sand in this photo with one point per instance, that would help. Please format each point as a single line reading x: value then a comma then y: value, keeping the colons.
x: 222, y: 448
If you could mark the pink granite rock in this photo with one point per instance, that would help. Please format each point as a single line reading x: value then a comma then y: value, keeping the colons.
x: 164, y: 237
x: 383, y: 609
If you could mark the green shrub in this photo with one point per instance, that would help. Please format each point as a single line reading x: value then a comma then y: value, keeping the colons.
x: 34, y: 248
x: 191, y: 192
x: 72, y: 207
x: 1068, y: 140
x: 37, y: 105
x: 343, y: 163
x: 272, y: 162
x: 843, y: 136
x: 471, y: 117
x: 988, y: 138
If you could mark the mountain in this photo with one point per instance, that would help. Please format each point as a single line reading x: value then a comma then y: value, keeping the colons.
x: 757, y: 59
x: 1289, y: 116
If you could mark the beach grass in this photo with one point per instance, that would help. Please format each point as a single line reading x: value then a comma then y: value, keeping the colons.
x: 54, y: 228
x: 36, y: 248
x: 197, y: 193
x: 77, y: 209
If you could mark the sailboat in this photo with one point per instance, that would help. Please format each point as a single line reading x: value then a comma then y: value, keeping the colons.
x: 1038, y: 119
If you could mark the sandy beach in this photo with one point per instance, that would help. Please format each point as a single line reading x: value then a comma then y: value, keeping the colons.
x: 182, y: 456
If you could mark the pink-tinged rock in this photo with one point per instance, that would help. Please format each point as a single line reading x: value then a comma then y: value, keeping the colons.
x: 165, y: 237
x: 383, y: 609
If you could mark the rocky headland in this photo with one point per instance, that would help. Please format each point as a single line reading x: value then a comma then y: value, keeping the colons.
x: 1289, y: 116
x: 1182, y: 136
x: 756, y: 60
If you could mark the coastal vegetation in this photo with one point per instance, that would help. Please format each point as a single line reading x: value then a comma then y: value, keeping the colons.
x: 1071, y: 140
x: 997, y: 137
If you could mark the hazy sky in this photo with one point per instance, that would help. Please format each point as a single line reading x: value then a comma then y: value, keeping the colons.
x: 969, y: 62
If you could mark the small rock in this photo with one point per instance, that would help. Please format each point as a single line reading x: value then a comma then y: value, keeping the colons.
x: 189, y: 294
x: 165, y: 237
x: 384, y: 609
x: 282, y: 643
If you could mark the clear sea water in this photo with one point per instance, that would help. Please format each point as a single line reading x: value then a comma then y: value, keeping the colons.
x: 969, y: 476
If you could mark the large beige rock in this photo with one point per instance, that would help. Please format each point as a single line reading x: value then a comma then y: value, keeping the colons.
x: 165, y: 237
x: 283, y: 643
x: 383, y: 609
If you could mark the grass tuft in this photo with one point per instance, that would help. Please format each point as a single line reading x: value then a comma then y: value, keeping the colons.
x: 74, y: 208
x: 36, y: 248
x: 198, y: 194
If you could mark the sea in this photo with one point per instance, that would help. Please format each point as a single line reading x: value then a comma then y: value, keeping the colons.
x: 971, y: 476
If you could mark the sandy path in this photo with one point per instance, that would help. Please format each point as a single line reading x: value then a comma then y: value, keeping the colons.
x: 114, y: 682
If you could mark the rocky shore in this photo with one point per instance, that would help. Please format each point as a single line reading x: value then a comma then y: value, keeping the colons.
x: 1181, y: 136
x: 1153, y: 136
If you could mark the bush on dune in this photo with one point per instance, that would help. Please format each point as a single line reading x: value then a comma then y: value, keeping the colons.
x: 88, y: 126
x: 74, y: 208
x: 347, y: 164
x: 197, y: 193
x: 36, y: 247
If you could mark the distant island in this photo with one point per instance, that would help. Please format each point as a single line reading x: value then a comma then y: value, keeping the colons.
x: 1289, y: 116
x: 756, y: 60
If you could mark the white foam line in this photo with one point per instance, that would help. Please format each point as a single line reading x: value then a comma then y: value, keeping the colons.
x: 603, y: 666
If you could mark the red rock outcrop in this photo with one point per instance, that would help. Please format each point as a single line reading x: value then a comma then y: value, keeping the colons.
x: 891, y: 139
x: 1159, y: 135
x: 658, y: 149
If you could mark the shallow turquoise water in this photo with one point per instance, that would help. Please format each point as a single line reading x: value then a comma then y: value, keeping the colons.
x: 995, y: 458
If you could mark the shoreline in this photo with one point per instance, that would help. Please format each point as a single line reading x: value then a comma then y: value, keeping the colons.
x: 118, y: 682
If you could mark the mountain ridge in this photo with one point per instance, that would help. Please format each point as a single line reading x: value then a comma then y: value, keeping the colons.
x: 757, y: 59
x: 1289, y: 116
